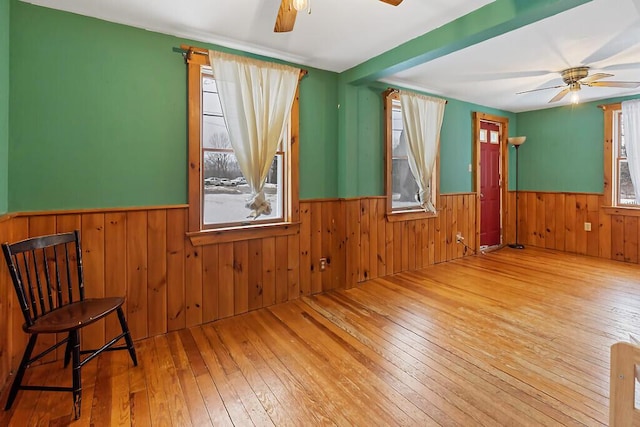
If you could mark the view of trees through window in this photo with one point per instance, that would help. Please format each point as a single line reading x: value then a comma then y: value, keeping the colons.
x: 225, y: 188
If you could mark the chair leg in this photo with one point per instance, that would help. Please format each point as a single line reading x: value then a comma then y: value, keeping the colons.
x: 127, y: 336
x: 17, y: 381
x: 67, y: 351
x: 74, y: 337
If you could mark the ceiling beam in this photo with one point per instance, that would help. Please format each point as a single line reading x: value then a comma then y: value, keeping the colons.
x: 491, y: 20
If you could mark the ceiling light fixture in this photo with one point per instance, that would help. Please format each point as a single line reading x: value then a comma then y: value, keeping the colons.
x: 301, y: 5
x: 575, y: 98
x: 574, y: 88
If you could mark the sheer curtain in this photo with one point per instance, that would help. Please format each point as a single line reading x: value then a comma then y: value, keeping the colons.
x: 631, y: 119
x: 256, y: 98
x: 422, y: 119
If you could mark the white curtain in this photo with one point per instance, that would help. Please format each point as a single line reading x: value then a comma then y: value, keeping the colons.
x: 631, y: 119
x: 256, y: 98
x: 422, y: 119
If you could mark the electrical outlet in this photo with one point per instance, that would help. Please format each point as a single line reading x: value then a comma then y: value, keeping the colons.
x: 459, y: 238
x: 587, y: 226
x: 323, y: 264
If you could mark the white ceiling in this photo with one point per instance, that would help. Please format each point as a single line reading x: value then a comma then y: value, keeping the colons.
x: 602, y: 34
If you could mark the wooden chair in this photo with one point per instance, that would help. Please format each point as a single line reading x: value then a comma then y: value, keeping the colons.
x: 48, y: 280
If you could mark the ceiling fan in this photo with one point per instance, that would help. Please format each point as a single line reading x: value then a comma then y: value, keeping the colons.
x: 575, y: 77
x: 289, y: 9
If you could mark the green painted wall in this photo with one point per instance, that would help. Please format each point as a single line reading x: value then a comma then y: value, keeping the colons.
x: 98, y: 119
x: 564, y: 150
x: 319, y: 135
x: 98, y: 116
x: 4, y: 105
x: 370, y: 142
x: 456, y: 143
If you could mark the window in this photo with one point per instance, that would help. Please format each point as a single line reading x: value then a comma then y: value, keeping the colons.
x: 401, y: 188
x: 623, y: 191
x: 217, y: 189
x: 618, y: 187
x: 225, y: 189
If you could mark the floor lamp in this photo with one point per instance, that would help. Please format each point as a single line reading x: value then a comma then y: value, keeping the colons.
x: 517, y: 141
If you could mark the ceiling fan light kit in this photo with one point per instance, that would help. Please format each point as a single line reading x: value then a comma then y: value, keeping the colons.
x: 575, y: 77
x: 574, y: 88
x: 301, y: 5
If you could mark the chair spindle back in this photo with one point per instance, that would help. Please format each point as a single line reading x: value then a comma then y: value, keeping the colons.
x: 44, y: 271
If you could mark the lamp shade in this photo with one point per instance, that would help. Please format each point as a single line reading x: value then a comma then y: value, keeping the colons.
x: 517, y: 140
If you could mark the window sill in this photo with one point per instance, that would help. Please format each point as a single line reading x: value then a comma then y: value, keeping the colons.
x: 410, y: 215
x: 622, y: 210
x: 235, y: 234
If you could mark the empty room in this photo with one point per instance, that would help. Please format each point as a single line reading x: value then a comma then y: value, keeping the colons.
x: 320, y: 212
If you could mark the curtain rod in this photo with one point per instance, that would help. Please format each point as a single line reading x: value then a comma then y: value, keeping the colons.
x: 186, y: 52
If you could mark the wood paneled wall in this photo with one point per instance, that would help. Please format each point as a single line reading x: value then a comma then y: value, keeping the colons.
x: 386, y: 248
x: 8, y: 331
x: 170, y: 284
x: 556, y: 221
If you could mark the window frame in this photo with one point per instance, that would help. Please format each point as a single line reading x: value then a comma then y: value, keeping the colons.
x: 612, y: 113
x: 200, y: 234
x: 405, y: 214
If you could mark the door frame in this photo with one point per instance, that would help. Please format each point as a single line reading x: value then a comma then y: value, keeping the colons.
x: 504, y: 159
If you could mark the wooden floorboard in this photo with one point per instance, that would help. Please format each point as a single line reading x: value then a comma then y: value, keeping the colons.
x: 517, y: 338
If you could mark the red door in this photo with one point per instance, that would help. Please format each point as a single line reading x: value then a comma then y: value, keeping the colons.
x: 490, y: 144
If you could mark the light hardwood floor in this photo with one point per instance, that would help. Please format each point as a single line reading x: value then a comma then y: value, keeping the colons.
x: 507, y: 338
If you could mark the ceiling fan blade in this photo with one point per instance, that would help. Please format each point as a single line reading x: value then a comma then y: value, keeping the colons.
x: 560, y: 95
x: 629, y: 65
x: 502, y: 76
x: 614, y: 84
x: 594, y: 77
x: 625, y: 40
x: 542, y: 88
x: 286, y: 17
x: 392, y: 2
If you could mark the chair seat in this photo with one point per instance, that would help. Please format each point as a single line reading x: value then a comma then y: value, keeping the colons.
x: 74, y: 315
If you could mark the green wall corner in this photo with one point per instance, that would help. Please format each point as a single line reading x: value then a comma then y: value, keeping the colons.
x: 4, y: 105
x: 363, y: 163
x: 319, y: 135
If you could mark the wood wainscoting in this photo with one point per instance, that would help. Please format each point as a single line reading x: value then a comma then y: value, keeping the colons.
x: 557, y: 221
x: 171, y: 285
